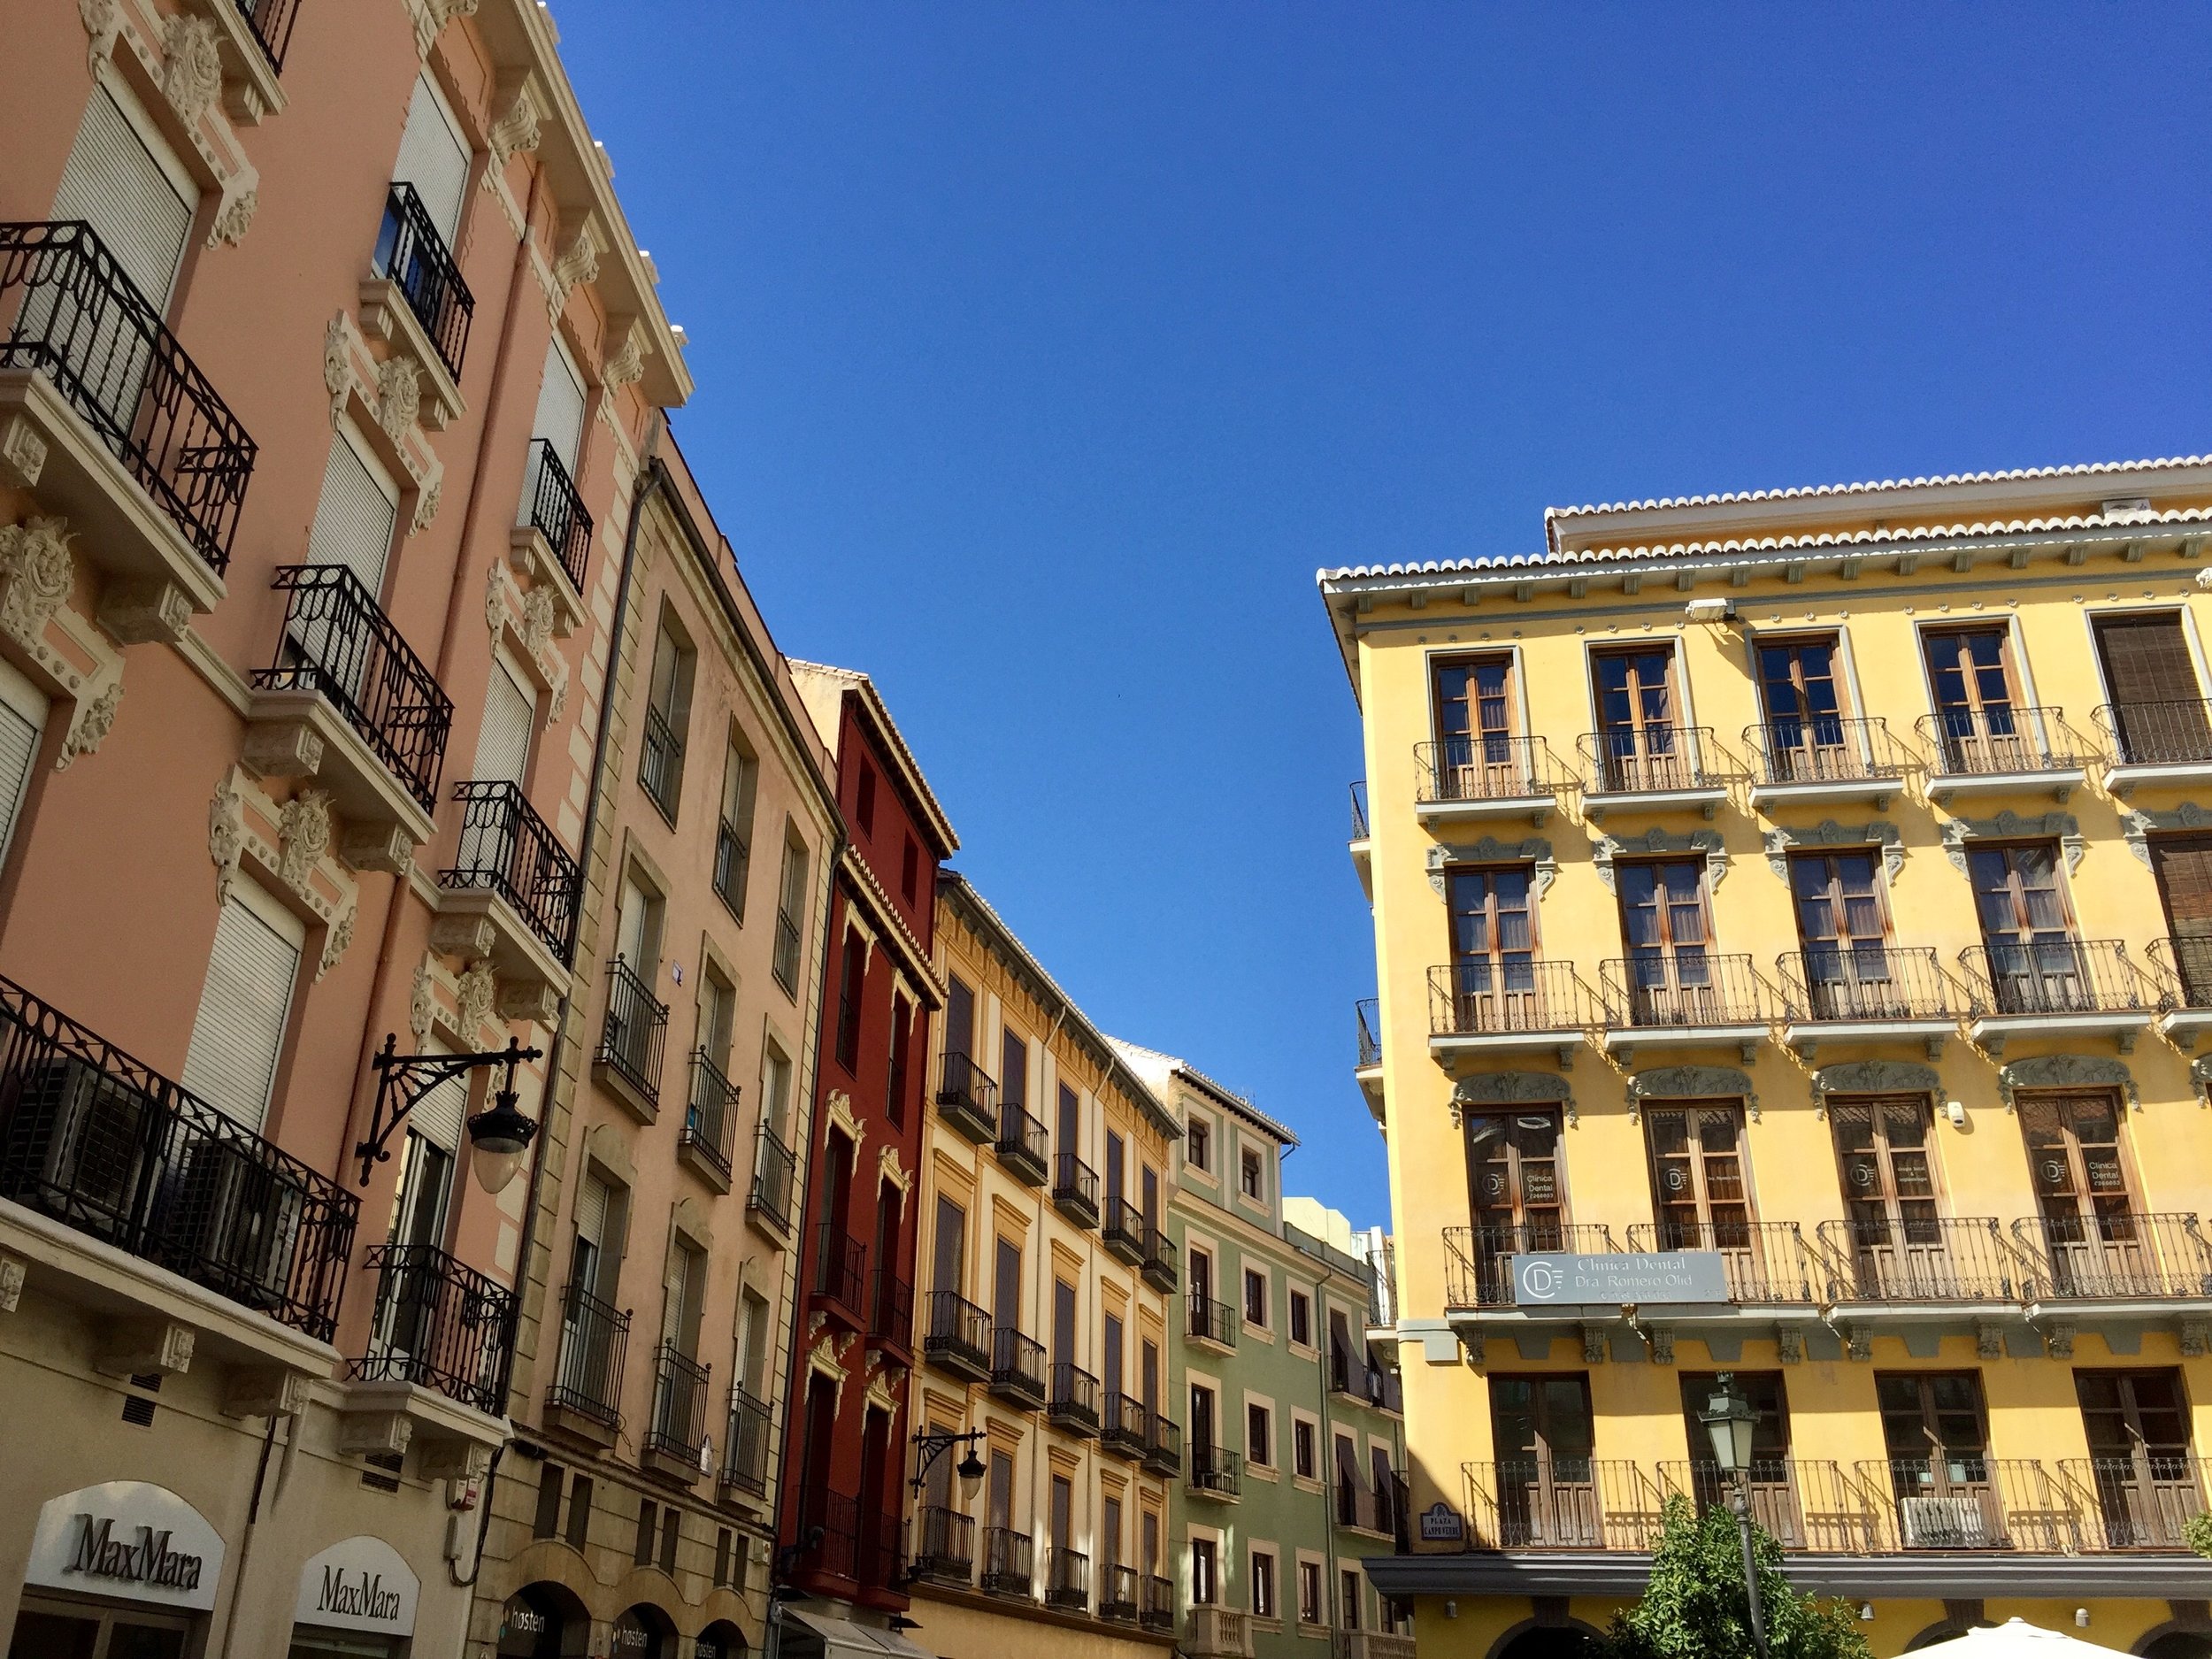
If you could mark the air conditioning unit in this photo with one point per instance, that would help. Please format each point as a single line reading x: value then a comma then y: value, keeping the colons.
x: 1946, y: 1523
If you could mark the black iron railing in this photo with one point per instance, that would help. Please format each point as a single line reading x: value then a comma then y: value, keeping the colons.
x: 79, y: 320
x: 556, y: 511
x: 958, y: 1334
x: 1657, y: 760
x: 588, y: 1379
x: 1483, y: 996
x: 733, y: 857
x: 1118, y: 1593
x: 1158, y: 1266
x: 786, y: 960
x: 891, y: 1309
x: 1163, y: 1443
x: 2145, y: 1501
x: 678, y: 1426
x: 1368, y: 1012
x: 840, y: 1268
x: 1075, y: 1188
x: 1825, y: 749
x: 1067, y: 1579
x: 411, y: 251
x: 711, y: 1114
x: 881, y: 1560
x: 745, y: 1443
x: 773, y: 1165
x: 1006, y: 1561
x: 1214, y: 1470
x: 337, y: 641
x: 1478, y: 1261
x: 2118, y: 1256
x: 1999, y: 741
x: 1852, y: 983
x: 2183, y: 968
x: 1933, y: 1258
x: 1017, y: 1366
x: 93, y: 1139
x: 636, y: 1033
x: 1359, y: 811
x: 1074, y: 1401
x: 1947, y: 1502
x: 968, y: 1097
x: 1803, y: 1503
x: 1211, y: 1319
x: 1122, y: 1424
x: 829, y: 1525
x: 271, y: 24
x: 943, y: 1544
x: 1492, y: 767
x: 1766, y: 1260
x: 660, y: 771
x: 2174, y: 732
x: 507, y: 848
x: 1159, y: 1602
x: 1684, y: 987
x: 439, y: 1324
x: 1025, y: 1146
x: 1123, y: 1230
x: 2054, y: 977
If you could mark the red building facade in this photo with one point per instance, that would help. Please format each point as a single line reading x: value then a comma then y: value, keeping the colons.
x: 846, y: 1427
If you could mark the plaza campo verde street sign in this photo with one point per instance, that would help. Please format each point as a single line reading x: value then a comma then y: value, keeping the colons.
x: 1554, y: 1279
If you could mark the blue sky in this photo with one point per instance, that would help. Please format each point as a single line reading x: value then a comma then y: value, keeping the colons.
x: 1045, y: 352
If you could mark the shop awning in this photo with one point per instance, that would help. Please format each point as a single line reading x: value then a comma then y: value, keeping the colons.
x: 842, y: 1639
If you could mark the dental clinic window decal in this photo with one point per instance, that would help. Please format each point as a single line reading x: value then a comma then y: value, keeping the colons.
x: 360, y: 1584
x: 127, y: 1539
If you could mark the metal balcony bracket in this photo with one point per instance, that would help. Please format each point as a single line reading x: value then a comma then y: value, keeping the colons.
x: 403, y: 1079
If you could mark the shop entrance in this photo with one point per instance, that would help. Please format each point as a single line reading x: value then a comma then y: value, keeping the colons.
x: 543, y: 1621
x: 64, y: 1630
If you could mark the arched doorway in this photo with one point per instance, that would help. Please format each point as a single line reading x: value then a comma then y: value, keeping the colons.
x: 719, y: 1640
x: 642, y: 1631
x: 543, y: 1621
x: 1546, y: 1641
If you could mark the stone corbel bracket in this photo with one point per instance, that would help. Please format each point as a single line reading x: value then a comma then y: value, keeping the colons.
x: 207, y: 66
x: 1606, y: 849
x: 44, y: 630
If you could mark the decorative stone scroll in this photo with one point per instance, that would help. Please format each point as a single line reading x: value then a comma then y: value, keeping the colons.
x: 293, y: 846
x: 1512, y: 1089
x: 2069, y: 1071
x: 1691, y: 1082
x: 2137, y: 826
x: 1490, y: 850
x: 1872, y: 1076
x: 2201, y: 1074
x: 1606, y: 849
x: 2010, y: 826
x: 1830, y: 834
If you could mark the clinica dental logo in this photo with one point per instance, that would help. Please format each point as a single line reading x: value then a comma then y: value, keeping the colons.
x: 360, y: 1594
x: 150, y: 1561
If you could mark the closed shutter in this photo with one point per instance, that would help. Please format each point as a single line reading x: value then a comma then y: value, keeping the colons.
x: 239, y: 1030
x: 22, y: 718
x: 354, y: 518
x: 502, y: 746
x: 439, y: 1115
x: 2146, y: 659
x: 560, y: 416
x: 434, y: 160
x: 132, y: 200
x: 591, y: 1211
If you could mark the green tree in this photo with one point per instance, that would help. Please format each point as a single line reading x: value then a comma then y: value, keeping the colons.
x: 1695, y: 1606
x: 2196, y: 1532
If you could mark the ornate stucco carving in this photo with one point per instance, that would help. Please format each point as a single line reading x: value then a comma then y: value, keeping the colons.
x: 101, y: 19
x: 22, y: 454
x: 515, y: 129
x: 192, y: 73
x: 892, y: 1171
x: 2059, y: 1335
x: 1790, y: 1341
x: 37, y: 571
x: 627, y: 362
x: 336, y: 937
x: 839, y: 1109
x: 338, y: 364
x: 1511, y: 1088
x: 1872, y: 1076
x: 225, y: 834
x: 1490, y: 850
x: 496, y: 600
x: 2066, y: 1070
x: 420, y: 1007
x: 426, y: 500
x: 537, y: 619
x: 1690, y: 1082
x: 94, y: 719
x: 235, y: 218
x: 2201, y: 1074
x: 2010, y: 825
x: 398, y: 395
x: 2137, y: 826
x: 579, y: 264
x: 303, y: 832
x: 1594, y: 1347
x: 431, y: 16
x: 1779, y: 841
x: 1606, y: 849
x: 476, y: 990
x: 558, y: 701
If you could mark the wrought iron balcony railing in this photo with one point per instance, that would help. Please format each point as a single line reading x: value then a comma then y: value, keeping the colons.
x: 1074, y: 1401
x: 507, y: 848
x: 784, y: 964
x: 1562, y: 1503
x: 1075, y: 1189
x: 1966, y: 1500
x: 733, y: 857
x: 1123, y: 1230
x: 829, y: 1523
x: 337, y: 641
x: 1659, y: 759
x: 80, y: 321
x: 270, y: 22
x: 1478, y: 1261
x: 1802, y: 1503
x: 1215, y: 1472
x: 552, y: 507
x: 588, y: 1379
x: 1159, y: 1603
x: 1118, y: 1593
x: 1851, y: 983
x: 1368, y: 1011
x: 968, y: 1098
x: 1359, y: 811
x: 1825, y: 749
x: 1162, y: 1444
x: 2118, y: 1258
x: 2140, y: 1502
x: 2174, y: 732
x: 679, y: 1426
x: 411, y: 251
x: 745, y: 1443
x: 1935, y: 1258
x: 773, y: 1166
x: 660, y: 769
x: 890, y: 1309
x: 2183, y: 969
x: 1684, y: 987
x: 1492, y: 767
x: 882, y: 1562
x: 1158, y: 1266
x: 1479, y: 998
x: 1122, y: 1424
x: 1017, y: 1367
x: 943, y: 1544
x: 1068, y: 1580
x: 439, y: 1324
x: 711, y: 1114
x: 106, y: 1146
x: 1025, y: 1146
x: 1766, y: 1260
x: 2003, y: 741
x: 2054, y: 977
x: 1212, y: 1320
x: 958, y: 1335
x: 1006, y: 1561
x: 636, y: 1033
x: 840, y: 1270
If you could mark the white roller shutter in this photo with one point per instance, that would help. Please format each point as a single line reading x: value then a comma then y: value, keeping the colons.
x: 131, y: 197
x: 22, y: 718
x: 591, y: 1211
x: 439, y: 1115
x: 434, y: 158
x: 354, y: 516
x: 239, y: 1031
x: 502, y: 746
x: 560, y: 416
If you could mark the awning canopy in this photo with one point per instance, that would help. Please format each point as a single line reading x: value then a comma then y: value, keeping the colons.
x: 2016, y: 1638
x: 825, y: 1636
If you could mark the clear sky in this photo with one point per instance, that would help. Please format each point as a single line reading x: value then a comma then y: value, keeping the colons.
x: 1045, y: 350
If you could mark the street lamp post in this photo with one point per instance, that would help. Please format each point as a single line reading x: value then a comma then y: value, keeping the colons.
x: 1729, y: 1419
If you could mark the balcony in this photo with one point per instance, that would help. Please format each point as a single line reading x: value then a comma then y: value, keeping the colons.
x: 552, y: 541
x: 732, y: 856
x: 676, y: 1437
x: 1217, y: 1632
x: 1937, y: 1261
x: 1683, y: 999
x: 1867, y: 994
x: 586, y: 1397
x: 270, y: 23
x: 1475, y: 779
x: 1075, y: 1189
x: 1158, y: 1266
x: 882, y: 1559
x: 746, y: 1439
x: 1006, y: 1561
x: 2055, y: 987
x: 1369, y: 1644
x: 1123, y: 1425
x: 660, y: 769
x: 1803, y: 1503
x: 345, y: 700
x: 969, y: 1099
x: 2157, y: 745
x: 1159, y: 1603
x: 1366, y: 1509
x: 829, y: 1524
x: 1212, y: 1322
x: 1478, y: 1261
x: 95, y: 1142
x: 2182, y: 970
x: 1123, y: 1232
x: 1360, y: 845
x: 1068, y: 1581
x: 628, y: 1058
x: 1018, y: 1368
x: 840, y: 1274
x: 2142, y: 1502
x: 1023, y: 1145
x: 2115, y: 1258
x: 1163, y: 1444
x: 413, y: 258
x: 1479, y: 1007
x: 1073, y: 1403
x: 958, y: 1337
x: 1214, y: 1473
x: 1768, y: 1262
x: 1999, y: 751
x: 511, y: 894
x: 943, y: 1550
x: 112, y: 425
x: 1118, y: 1594
x: 769, y: 1202
x: 709, y: 1123
x: 1351, y: 1379
x: 1824, y: 760
x: 891, y: 1313
x: 439, y: 1324
x: 1657, y: 768
x: 1563, y: 1504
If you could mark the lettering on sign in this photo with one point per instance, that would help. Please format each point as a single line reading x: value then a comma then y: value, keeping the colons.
x: 359, y: 1583
x: 1559, y: 1280
x: 127, y: 1539
x: 1441, y: 1523
x: 100, y: 1554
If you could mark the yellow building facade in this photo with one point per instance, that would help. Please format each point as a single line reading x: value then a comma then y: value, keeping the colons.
x: 1789, y: 915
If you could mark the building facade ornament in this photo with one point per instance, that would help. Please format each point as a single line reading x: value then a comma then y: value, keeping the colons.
x: 101, y: 19
x: 336, y: 938
x: 1691, y: 1082
x: 95, y: 719
x: 192, y: 72
x: 1872, y: 1076
x: 430, y: 18
x: 2138, y: 827
x: 1511, y: 1088
x: 478, y: 990
x: 37, y: 571
x: 1791, y: 1343
x: 627, y: 363
x: 2068, y: 1071
x: 496, y: 600
x: 22, y: 454
x: 303, y: 832
x: 1828, y: 832
x: 2059, y: 1337
x: 2194, y: 1336
x: 889, y: 1166
x: 1489, y: 850
x: 426, y: 500
x: 225, y: 833
x: 515, y: 130
x: 838, y: 1109
x: 398, y: 395
x: 1655, y: 842
x: 338, y: 365
x: 578, y: 263
x: 2010, y: 825
x: 235, y: 218
x: 420, y: 1005
x: 537, y: 619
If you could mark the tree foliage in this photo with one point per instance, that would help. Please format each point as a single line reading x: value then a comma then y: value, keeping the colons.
x: 2197, y: 1534
x: 1695, y: 1606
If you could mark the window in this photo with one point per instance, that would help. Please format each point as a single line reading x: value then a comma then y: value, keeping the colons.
x: 137, y: 196
x: 1249, y: 1176
x: 734, y: 831
x: 1770, y: 1434
x: 1934, y: 1431
x: 579, y: 1511
x: 1255, y: 1299
x: 1202, y: 1437
x: 1542, y: 1421
x: 245, y: 1004
x: 1493, y: 950
x: 2152, y: 681
x: 557, y: 440
x: 2035, y: 965
x: 1205, y: 1572
x: 1979, y: 724
x: 1640, y: 741
x: 667, y: 717
x: 910, y: 872
x: 1199, y: 1140
x: 1263, y: 1583
x: 1669, y: 935
x: 1385, y: 1484
x: 1513, y: 1162
x: 1887, y: 1170
x: 1476, y: 755
x: 1070, y: 1126
x: 2184, y: 867
x: 865, y: 804
x: 790, y: 907
x: 951, y: 1244
x: 648, y: 1520
x: 1698, y: 1190
x: 901, y: 1053
x: 434, y: 158
x: 547, y: 1519
x: 1842, y: 925
x: 503, y: 743
x: 1201, y: 1268
x: 1110, y: 1539
x: 1347, y: 1590
x: 1300, y: 1319
x: 718, y: 1017
x: 1800, y: 695
x: 852, y: 973
x: 722, y: 1542
x: 2083, y: 1191
x: 356, y: 516
x: 2136, y: 1424
x: 1305, y: 1449
x: 1013, y: 1083
x: 1309, y: 1593
x: 775, y: 1088
x: 1259, y: 1435
x: 22, y: 721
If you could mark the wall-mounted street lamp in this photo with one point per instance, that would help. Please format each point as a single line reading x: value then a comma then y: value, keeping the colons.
x: 1728, y: 1418
x: 497, y: 1137
x: 930, y: 1444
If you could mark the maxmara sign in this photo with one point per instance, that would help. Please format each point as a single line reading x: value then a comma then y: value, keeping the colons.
x: 127, y: 1539
x: 359, y: 1584
x: 1612, y: 1281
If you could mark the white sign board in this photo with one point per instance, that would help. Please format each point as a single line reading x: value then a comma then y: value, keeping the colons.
x: 127, y: 1539
x: 359, y: 1584
x: 1441, y: 1523
x: 1558, y: 1280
